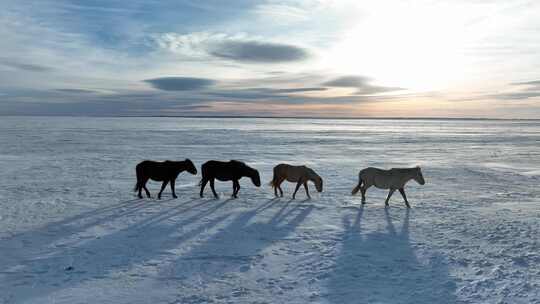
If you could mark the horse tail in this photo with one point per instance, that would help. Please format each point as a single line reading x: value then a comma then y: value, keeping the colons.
x: 357, y: 188
x: 136, y: 187
x: 273, y: 182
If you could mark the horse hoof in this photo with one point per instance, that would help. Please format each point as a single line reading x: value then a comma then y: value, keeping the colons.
x: 174, y: 196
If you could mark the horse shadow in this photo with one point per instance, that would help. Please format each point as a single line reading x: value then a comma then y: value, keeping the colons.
x: 61, y: 259
x: 240, y: 244
x: 381, y: 267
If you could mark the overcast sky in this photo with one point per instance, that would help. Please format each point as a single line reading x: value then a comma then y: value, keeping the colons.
x: 272, y: 58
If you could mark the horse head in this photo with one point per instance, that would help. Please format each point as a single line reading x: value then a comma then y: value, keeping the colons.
x: 317, y: 180
x: 318, y: 183
x: 418, y: 177
x: 254, y: 175
x: 190, y: 167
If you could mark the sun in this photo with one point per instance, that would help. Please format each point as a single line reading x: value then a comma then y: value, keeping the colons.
x: 418, y: 48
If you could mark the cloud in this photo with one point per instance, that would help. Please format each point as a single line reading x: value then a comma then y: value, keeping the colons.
x: 363, y: 84
x: 258, y: 52
x: 525, y: 90
x: 348, y: 82
x: 533, y: 83
x: 29, y: 67
x: 529, y: 85
x: 299, y: 90
x: 239, y: 48
x: 263, y: 94
x: 180, y: 83
x: 515, y: 95
x: 77, y: 91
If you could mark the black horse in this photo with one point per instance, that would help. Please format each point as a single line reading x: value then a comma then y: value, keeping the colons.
x: 166, y: 171
x: 226, y: 171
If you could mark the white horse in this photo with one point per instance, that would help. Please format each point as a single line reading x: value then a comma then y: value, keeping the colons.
x: 393, y: 179
x: 296, y: 174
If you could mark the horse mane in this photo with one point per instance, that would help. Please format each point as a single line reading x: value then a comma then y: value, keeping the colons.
x: 311, y: 173
x: 238, y: 162
x: 405, y: 169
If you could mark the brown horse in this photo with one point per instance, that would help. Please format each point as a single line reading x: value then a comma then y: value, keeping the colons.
x: 227, y: 171
x: 393, y: 179
x: 296, y: 174
x: 166, y: 172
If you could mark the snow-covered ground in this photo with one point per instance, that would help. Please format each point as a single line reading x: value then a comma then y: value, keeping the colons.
x: 72, y: 230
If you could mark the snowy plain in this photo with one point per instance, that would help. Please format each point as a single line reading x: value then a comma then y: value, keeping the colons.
x: 72, y: 231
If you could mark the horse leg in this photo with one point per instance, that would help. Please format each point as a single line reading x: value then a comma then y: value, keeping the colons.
x: 296, y: 190
x: 163, y: 185
x: 143, y: 186
x: 279, y: 186
x: 236, y: 188
x: 402, y: 191
x: 203, y: 184
x: 275, y: 185
x: 139, y: 188
x: 389, y: 195
x: 172, y: 188
x: 363, y: 190
x: 213, y: 189
x: 307, y: 191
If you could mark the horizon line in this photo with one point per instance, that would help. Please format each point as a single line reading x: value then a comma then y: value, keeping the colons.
x: 274, y: 117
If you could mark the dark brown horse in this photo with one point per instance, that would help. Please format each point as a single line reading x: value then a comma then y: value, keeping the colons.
x: 165, y: 172
x: 225, y: 171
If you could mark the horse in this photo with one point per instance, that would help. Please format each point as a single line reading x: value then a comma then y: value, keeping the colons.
x: 393, y: 179
x: 166, y: 172
x: 296, y: 174
x: 225, y: 171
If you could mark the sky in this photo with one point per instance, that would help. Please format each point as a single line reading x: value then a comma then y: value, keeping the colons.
x: 316, y: 58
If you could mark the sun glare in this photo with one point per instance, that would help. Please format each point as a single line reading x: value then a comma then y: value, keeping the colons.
x: 412, y: 47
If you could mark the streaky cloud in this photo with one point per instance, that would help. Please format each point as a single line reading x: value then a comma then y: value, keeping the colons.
x: 180, y: 83
x: 77, y: 91
x: 363, y: 84
x: 300, y: 90
x: 519, y: 91
x: 531, y: 83
x: 348, y: 82
x: 516, y: 95
x: 29, y: 67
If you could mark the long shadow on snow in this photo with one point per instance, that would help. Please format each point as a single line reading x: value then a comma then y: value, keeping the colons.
x: 240, y: 243
x: 38, y: 272
x: 381, y: 267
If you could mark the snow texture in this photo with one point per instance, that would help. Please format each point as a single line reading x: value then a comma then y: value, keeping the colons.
x: 72, y: 230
